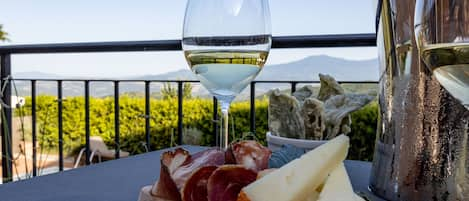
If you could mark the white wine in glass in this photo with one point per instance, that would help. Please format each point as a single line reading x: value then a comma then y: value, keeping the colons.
x: 449, y: 63
x: 442, y: 35
x: 226, y: 44
x: 226, y: 73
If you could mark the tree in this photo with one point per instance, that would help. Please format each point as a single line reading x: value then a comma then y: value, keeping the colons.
x: 3, y: 35
x: 169, y: 92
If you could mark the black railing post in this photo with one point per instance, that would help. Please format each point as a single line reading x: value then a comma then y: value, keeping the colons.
x: 293, y: 87
x: 6, y: 119
x: 215, y: 121
x: 253, y: 108
x: 33, y: 125
x: 87, y: 122
x: 180, y: 115
x: 147, y: 114
x: 116, y: 119
x: 60, y: 124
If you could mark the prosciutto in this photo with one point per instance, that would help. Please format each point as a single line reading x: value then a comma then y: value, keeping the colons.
x: 165, y: 188
x: 226, y: 182
x: 210, y: 157
x: 177, y: 167
x: 205, y: 176
x: 195, y: 188
x: 250, y: 154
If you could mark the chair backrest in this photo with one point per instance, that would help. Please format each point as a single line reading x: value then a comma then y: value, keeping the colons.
x: 97, y: 144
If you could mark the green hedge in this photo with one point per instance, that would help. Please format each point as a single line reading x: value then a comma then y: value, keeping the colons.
x: 163, y: 123
x: 363, y: 135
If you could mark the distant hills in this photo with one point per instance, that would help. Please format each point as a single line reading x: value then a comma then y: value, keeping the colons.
x: 304, y: 69
x: 309, y: 68
x: 182, y: 74
x: 35, y: 75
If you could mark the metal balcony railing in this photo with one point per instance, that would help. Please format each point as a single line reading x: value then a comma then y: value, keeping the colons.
x: 312, y: 41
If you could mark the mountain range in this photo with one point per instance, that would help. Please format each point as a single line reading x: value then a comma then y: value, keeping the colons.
x: 304, y: 69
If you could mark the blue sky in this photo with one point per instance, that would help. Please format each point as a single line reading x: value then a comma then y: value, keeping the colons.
x: 56, y: 21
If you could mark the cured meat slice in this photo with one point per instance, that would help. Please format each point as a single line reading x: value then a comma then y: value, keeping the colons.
x: 229, y: 156
x: 251, y: 154
x: 165, y: 188
x: 226, y: 182
x: 175, y: 159
x: 195, y: 188
x: 210, y: 157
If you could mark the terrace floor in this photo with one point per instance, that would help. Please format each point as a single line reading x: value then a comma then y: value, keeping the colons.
x: 47, y: 162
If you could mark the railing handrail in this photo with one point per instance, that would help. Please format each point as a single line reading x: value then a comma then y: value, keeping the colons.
x: 183, y: 80
x: 300, y: 41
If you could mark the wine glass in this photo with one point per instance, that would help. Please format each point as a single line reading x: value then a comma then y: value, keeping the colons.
x: 226, y: 44
x: 442, y: 35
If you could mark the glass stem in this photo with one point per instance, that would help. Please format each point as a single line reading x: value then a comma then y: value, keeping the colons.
x: 223, y: 138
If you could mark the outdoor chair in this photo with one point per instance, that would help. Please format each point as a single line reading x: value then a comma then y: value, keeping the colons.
x: 99, y: 149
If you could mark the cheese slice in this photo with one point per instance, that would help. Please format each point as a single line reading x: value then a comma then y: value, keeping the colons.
x: 313, y: 196
x: 262, y: 173
x: 295, y: 180
x: 358, y: 198
x: 338, y: 187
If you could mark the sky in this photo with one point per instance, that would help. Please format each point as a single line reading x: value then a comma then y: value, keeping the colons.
x: 58, y: 21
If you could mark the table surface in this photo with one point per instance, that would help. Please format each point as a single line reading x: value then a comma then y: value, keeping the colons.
x: 121, y: 180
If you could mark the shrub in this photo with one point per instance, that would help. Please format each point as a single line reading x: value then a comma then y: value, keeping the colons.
x: 163, y: 123
x: 362, y: 137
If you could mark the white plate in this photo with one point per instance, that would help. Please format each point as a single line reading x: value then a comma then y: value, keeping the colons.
x: 276, y: 142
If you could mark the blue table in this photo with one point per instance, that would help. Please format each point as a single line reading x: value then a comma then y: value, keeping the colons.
x: 121, y: 180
